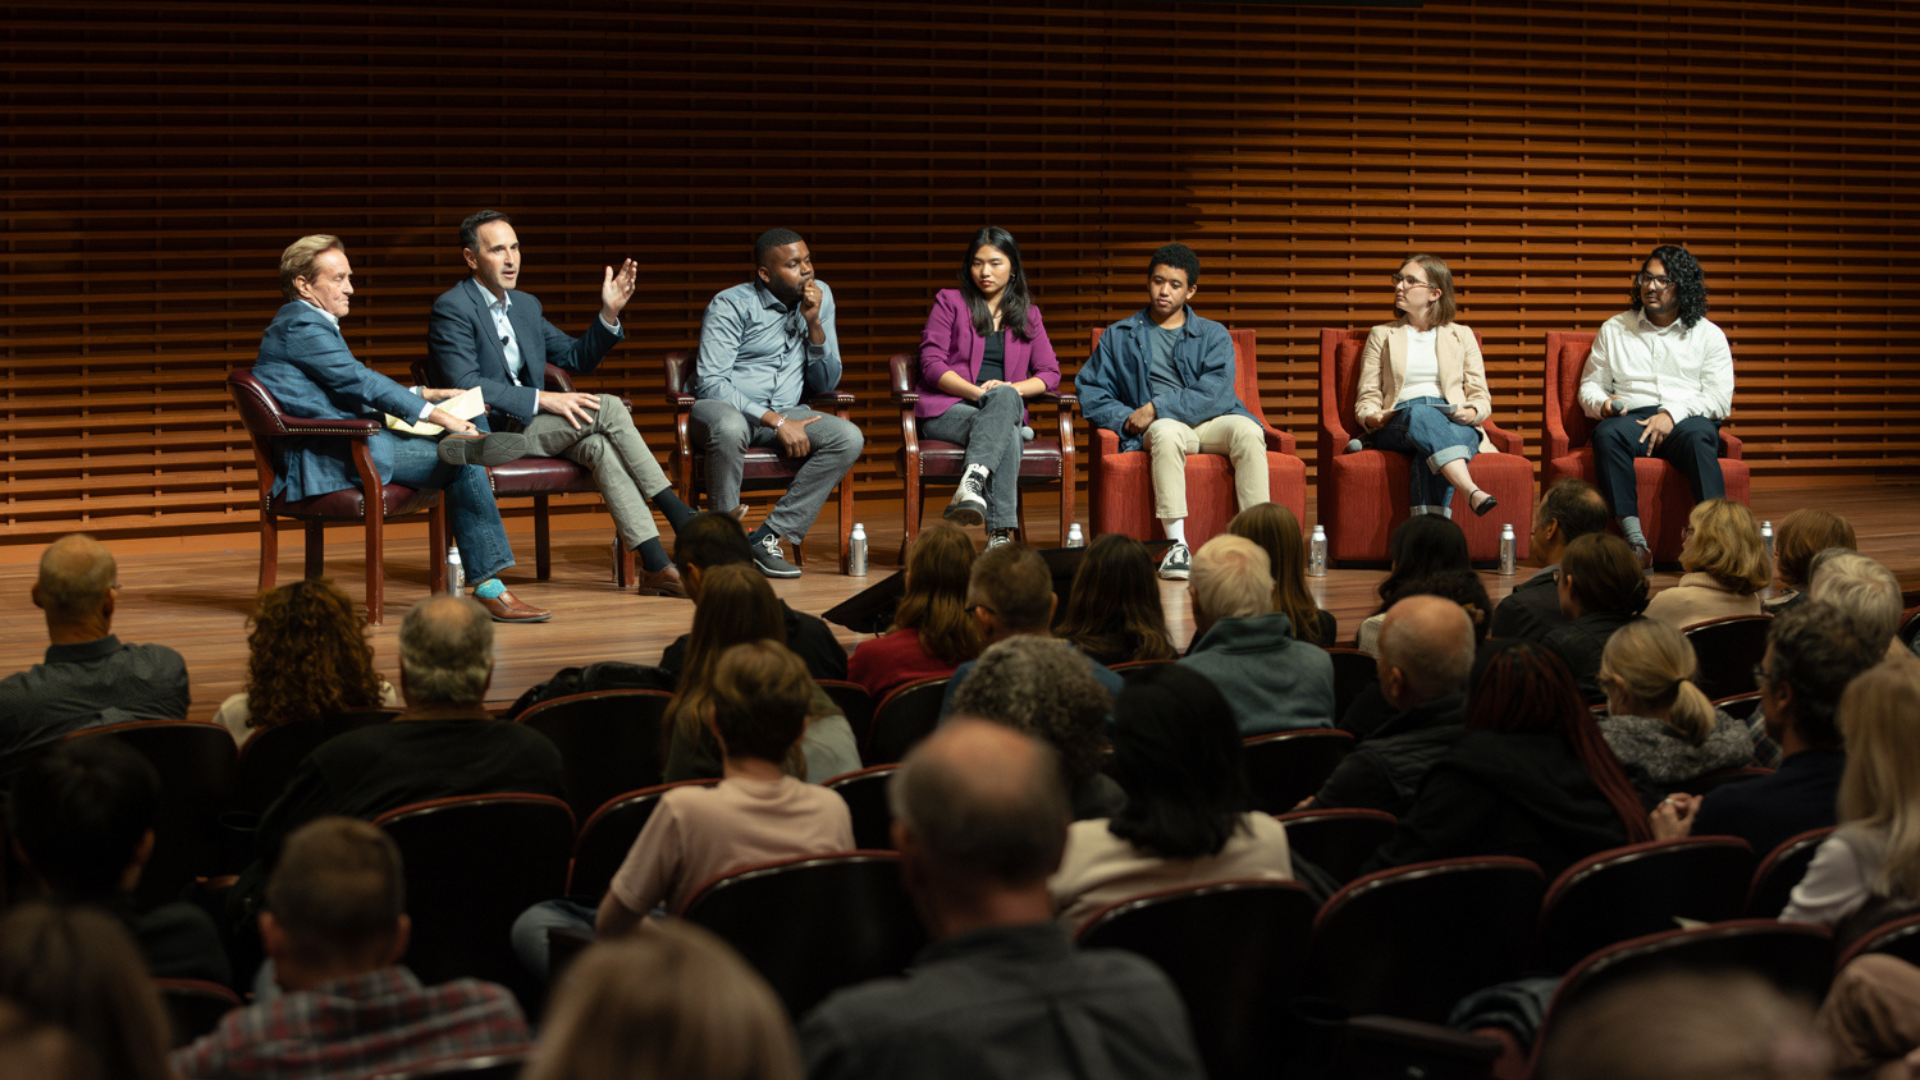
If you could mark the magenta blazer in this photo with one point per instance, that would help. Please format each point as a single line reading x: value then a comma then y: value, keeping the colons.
x: 950, y: 344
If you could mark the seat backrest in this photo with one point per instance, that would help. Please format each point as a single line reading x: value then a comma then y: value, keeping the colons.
x: 903, y: 374
x: 903, y: 718
x: 853, y: 701
x: 1896, y: 937
x: 866, y: 794
x: 1728, y: 649
x: 679, y: 369
x: 814, y: 924
x: 1287, y: 766
x: 1566, y: 421
x: 1233, y: 950
x: 196, y: 762
x: 1337, y: 841
x: 194, y: 1007
x: 1246, y: 369
x: 609, y: 834
x: 1134, y: 669
x: 1739, y: 706
x: 1640, y: 889
x: 611, y: 741
x: 1339, y: 387
x: 1352, y: 671
x: 271, y: 754
x: 1781, y: 870
x: 258, y: 409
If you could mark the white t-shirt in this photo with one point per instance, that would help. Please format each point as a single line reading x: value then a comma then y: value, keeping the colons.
x: 235, y: 712
x: 1423, y: 365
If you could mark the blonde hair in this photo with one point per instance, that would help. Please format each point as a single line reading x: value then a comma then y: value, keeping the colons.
x: 1865, y: 590
x: 1441, y: 278
x: 670, y: 1001
x: 297, y: 261
x: 1879, y: 719
x: 1654, y: 665
x: 1230, y: 578
x: 1726, y: 547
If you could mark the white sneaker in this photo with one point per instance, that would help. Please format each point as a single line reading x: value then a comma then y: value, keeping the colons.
x: 999, y: 537
x: 1177, y: 564
x: 969, y: 504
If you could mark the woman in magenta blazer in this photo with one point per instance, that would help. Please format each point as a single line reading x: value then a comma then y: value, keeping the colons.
x: 984, y: 352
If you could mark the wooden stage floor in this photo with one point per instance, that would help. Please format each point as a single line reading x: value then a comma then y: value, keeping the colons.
x: 197, y: 600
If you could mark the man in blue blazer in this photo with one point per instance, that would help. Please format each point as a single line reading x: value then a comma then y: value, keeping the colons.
x: 304, y: 361
x: 485, y: 333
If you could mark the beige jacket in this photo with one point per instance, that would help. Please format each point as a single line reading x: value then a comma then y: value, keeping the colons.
x: 1463, y: 375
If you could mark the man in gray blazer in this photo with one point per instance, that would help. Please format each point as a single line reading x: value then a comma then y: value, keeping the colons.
x: 485, y: 333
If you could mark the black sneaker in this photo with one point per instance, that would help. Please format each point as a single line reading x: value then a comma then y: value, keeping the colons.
x: 969, y: 504
x: 767, y: 556
x: 1178, y: 563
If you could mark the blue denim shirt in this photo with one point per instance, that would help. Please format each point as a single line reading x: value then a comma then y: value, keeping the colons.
x: 1115, y: 379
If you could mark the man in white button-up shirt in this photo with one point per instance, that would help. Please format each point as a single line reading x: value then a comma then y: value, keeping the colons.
x: 1660, y: 381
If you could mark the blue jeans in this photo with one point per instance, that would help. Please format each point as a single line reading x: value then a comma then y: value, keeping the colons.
x: 1420, y: 428
x: 990, y: 430
x: 472, y: 515
x: 530, y: 930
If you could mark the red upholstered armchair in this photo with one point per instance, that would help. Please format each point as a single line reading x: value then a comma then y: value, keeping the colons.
x: 1121, y: 485
x: 1363, y: 495
x: 1666, y: 500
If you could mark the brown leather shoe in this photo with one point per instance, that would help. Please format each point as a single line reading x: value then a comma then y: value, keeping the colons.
x: 507, y: 608
x: 660, y: 583
x: 738, y: 513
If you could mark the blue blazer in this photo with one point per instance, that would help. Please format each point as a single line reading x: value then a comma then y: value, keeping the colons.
x: 464, y: 350
x: 1114, y: 382
x: 306, y: 364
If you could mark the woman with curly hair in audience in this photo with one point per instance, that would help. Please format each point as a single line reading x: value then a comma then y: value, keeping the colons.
x: 1803, y: 534
x: 1657, y: 719
x: 1422, y: 546
x: 932, y: 634
x: 1532, y: 776
x: 1601, y: 590
x: 1277, y: 531
x: 308, y: 657
x: 1726, y: 567
x: 78, y: 969
x: 1113, y: 610
x: 1045, y: 688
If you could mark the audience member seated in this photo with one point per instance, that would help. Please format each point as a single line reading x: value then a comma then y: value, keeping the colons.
x: 671, y: 1000
x: 1675, y: 1024
x: 1043, y: 688
x: 1803, y: 534
x: 1870, y: 1017
x: 1726, y: 567
x: 708, y: 541
x: 1813, y: 652
x: 1010, y: 593
x: 1370, y: 707
x: 1865, y: 590
x: 35, y: 1048
x: 307, y: 657
x: 1571, y: 509
x: 1532, y: 776
x: 1426, y: 654
x: 1868, y: 871
x: 979, y: 818
x: 932, y: 632
x: 1657, y: 718
x: 1113, y: 610
x: 1187, y: 819
x: 89, y: 678
x: 1422, y: 546
x: 734, y: 605
x: 335, y: 928
x: 76, y: 968
x: 1247, y: 649
x: 82, y: 821
x: 1274, y: 528
x: 1601, y: 590
x: 757, y: 711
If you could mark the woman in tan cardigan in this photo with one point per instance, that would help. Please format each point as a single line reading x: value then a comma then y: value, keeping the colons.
x: 1423, y: 388
x: 1726, y: 567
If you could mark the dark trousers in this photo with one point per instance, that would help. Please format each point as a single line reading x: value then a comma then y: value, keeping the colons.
x: 1693, y: 447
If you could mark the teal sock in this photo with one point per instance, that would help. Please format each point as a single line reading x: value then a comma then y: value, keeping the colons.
x: 653, y: 557
x: 489, y: 589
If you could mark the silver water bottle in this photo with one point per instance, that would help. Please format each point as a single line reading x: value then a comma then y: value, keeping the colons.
x: 1317, y: 552
x: 456, y: 574
x: 1506, y: 549
x: 1766, y: 539
x: 1075, y: 538
x: 857, y: 551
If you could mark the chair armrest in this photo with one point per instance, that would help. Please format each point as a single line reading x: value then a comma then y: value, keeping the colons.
x: 1422, y: 1037
x: 906, y: 398
x: 1504, y: 441
x: 1103, y: 443
x: 1278, y: 442
x: 832, y: 397
x: 1734, y: 445
x: 349, y: 429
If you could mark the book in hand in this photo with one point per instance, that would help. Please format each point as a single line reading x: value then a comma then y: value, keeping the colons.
x: 467, y: 406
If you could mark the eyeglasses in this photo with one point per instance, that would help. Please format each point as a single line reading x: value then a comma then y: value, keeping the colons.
x: 1412, y: 283
x: 972, y: 608
x: 1649, y: 281
x: 1761, y: 675
x: 1686, y: 533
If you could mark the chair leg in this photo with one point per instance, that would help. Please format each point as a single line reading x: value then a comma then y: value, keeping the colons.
x: 1067, y: 494
x: 376, y: 559
x: 911, y: 530
x: 542, y: 541
x: 1020, y: 519
x: 624, y: 571
x: 316, y: 561
x: 269, y: 549
x: 437, y: 547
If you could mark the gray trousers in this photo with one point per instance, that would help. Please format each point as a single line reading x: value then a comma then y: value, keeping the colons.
x: 990, y: 428
x: 612, y: 449
x: 726, y: 433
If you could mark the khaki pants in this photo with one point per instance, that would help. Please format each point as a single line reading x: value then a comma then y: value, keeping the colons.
x: 1238, y: 437
x: 614, y: 451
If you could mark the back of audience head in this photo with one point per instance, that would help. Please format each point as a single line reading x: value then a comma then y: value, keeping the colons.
x: 1230, y: 580
x: 1426, y: 650
x: 446, y: 652
x: 44, y: 1051
x: 671, y: 1002
x: 82, y: 817
x: 736, y: 605
x: 979, y: 808
x: 78, y: 969
x: 1277, y: 531
x: 1572, y: 508
x: 336, y: 903
x: 708, y: 540
x: 761, y: 692
x: 1010, y: 590
x: 308, y: 655
x: 1683, y: 1025
x: 1045, y: 688
x: 1863, y: 588
x: 1813, y: 652
x: 1726, y: 546
x: 1424, y: 544
x: 77, y: 580
x: 1647, y: 669
x: 1113, y: 609
x: 935, y: 601
x: 1880, y: 717
x: 1802, y: 535
x: 1463, y: 587
x: 1601, y: 576
x: 1177, y: 753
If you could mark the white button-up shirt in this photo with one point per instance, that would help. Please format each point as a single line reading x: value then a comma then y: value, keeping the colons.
x: 1685, y: 372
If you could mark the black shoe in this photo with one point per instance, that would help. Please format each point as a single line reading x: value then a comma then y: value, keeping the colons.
x: 767, y: 556
x: 1480, y: 508
x: 488, y: 450
x: 1178, y: 563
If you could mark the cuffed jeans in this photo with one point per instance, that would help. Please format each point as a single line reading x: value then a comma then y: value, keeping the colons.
x: 990, y: 430
x: 472, y: 515
x: 1238, y: 437
x: 726, y: 434
x: 1693, y: 446
x: 1421, y: 429
x: 614, y: 451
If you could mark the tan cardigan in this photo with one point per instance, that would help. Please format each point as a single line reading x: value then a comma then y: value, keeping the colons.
x: 1697, y: 599
x: 1463, y: 374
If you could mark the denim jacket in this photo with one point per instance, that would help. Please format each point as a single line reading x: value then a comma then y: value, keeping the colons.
x: 1114, y: 381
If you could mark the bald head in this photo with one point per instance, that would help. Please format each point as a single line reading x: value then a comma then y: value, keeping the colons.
x: 1426, y: 650
x: 446, y: 651
x: 982, y: 802
x: 76, y: 582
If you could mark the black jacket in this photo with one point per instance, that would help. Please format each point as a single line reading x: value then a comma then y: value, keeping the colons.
x: 1531, y: 611
x: 1580, y: 644
x: 1385, y: 770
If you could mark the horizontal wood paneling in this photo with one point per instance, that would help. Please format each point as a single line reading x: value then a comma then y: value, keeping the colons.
x: 154, y: 161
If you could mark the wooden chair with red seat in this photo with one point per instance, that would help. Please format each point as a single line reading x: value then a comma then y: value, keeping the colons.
x: 1640, y: 889
x: 765, y: 468
x: 922, y: 461
x: 196, y: 770
x: 1781, y: 870
x: 610, y: 741
x: 1120, y: 486
x: 265, y: 424
x: 1364, y: 495
x: 1665, y: 498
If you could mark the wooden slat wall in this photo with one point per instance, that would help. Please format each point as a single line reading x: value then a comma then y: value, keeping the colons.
x: 158, y: 157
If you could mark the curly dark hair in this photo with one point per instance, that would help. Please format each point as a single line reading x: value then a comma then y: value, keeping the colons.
x: 308, y: 656
x: 1689, y: 281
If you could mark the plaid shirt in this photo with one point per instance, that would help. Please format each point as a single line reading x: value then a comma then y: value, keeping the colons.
x: 352, y: 1028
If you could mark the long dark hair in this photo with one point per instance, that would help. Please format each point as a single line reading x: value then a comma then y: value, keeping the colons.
x: 1113, y: 610
x: 1689, y: 282
x: 1423, y: 545
x: 1015, y: 304
x: 935, y: 603
x: 1277, y: 531
x: 1176, y: 751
